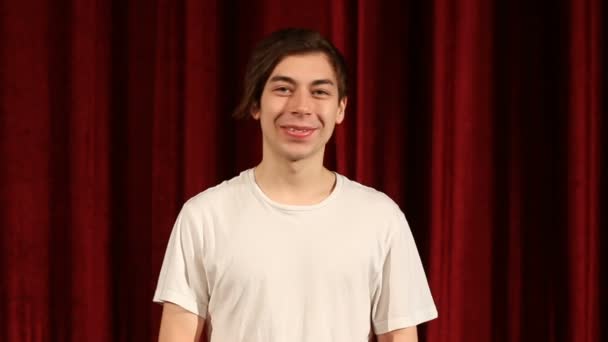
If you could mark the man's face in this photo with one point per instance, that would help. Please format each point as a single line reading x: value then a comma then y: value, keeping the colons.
x: 299, y: 106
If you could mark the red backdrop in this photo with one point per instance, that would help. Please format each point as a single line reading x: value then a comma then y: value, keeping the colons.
x: 482, y: 119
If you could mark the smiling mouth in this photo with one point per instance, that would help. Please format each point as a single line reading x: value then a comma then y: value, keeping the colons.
x: 298, y: 132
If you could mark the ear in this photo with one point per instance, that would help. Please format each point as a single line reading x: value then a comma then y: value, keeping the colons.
x: 341, y: 110
x: 255, y: 111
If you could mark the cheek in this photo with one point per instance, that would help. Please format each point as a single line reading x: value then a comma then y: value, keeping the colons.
x: 272, y: 104
x: 267, y: 122
x: 331, y: 115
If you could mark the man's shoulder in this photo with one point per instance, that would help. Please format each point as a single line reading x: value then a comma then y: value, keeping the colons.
x: 358, y: 194
x: 228, y: 190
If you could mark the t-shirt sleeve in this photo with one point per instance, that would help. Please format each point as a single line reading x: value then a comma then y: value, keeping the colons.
x: 183, y: 279
x: 401, y: 296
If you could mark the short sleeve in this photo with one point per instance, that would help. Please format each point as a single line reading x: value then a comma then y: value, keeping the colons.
x: 401, y: 297
x: 183, y: 279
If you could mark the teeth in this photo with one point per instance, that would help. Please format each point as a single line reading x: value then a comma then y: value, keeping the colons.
x: 297, y: 130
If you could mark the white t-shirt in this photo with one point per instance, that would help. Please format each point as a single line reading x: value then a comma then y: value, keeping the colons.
x: 260, y: 271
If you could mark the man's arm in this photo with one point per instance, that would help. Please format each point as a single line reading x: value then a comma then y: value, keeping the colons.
x: 179, y: 325
x: 402, y: 335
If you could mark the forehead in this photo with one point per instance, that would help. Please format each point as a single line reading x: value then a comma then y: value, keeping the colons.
x: 305, y: 67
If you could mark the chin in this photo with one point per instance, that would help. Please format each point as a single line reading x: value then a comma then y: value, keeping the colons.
x: 294, y: 156
x: 296, y: 153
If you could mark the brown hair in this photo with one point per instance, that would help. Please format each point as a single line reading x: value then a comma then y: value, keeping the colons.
x: 272, y: 49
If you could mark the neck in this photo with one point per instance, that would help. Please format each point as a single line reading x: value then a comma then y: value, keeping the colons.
x: 302, y: 182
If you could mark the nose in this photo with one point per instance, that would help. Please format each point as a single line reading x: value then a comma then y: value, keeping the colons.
x: 300, y: 103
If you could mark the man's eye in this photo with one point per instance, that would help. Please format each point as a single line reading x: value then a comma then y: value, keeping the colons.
x: 282, y: 90
x: 320, y: 93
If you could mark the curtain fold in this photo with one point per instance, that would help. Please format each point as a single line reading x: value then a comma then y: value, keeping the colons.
x: 483, y: 120
x: 462, y: 178
x: 583, y: 169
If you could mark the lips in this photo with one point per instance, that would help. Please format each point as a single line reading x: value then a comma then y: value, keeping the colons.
x: 297, y: 131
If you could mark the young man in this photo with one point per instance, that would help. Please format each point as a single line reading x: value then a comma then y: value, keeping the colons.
x: 289, y: 250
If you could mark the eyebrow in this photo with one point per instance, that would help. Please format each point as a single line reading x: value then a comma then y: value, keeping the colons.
x: 287, y: 79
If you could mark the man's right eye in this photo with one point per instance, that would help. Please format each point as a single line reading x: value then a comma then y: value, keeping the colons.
x: 282, y: 90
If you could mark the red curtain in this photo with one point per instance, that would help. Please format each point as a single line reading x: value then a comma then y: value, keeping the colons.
x: 484, y: 120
